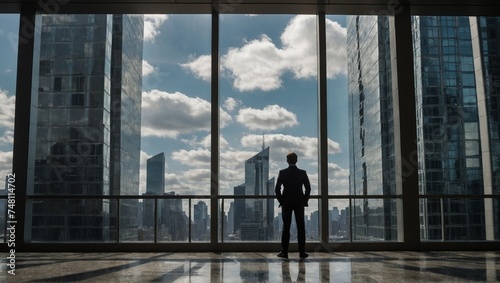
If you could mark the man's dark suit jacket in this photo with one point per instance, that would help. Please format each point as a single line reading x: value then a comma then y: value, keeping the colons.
x: 292, y: 179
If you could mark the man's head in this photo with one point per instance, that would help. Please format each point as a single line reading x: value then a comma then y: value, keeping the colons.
x: 291, y: 158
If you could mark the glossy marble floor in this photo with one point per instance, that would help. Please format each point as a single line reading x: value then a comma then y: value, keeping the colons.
x: 255, y: 267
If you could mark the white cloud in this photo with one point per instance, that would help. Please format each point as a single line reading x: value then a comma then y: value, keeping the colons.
x: 338, y: 179
x: 7, y: 109
x: 257, y: 65
x: 299, y: 46
x: 172, y: 183
x: 206, y: 142
x: 197, y: 158
x: 281, y: 145
x: 260, y: 63
x: 7, y: 138
x: 170, y: 114
x: 272, y: 117
x: 334, y: 170
x: 152, y: 25
x: 147, y: 68
x: 195, y: 180
x: 336, y: 49
x: 201, y: 67
x: 230, y: 104
x: 5, y: 166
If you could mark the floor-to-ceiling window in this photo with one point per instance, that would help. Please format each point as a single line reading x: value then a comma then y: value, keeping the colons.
x: 339, y: 209
x: 175, y: 126
x: 123, y: 110
x: 8, y: 66
x: 122, y: 148
x: 268, y: 96
x: 457, y: 118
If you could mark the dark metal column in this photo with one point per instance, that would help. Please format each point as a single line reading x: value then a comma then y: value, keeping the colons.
x: 405, y: 128
x: 214, y: 172
x: 323, y: 130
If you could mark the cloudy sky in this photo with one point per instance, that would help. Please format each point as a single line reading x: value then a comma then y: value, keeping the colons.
x: 268, y: 95
x: 8, y: 62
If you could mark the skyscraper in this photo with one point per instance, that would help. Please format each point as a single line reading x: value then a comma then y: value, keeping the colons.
x: 371, y: 128
x: 155, y: 178
x: 448, y: 128
x: 88, y: 126
x: 155, y: 185
x: 201, y: 221
x: 258, y: 214
x: 455, y: 98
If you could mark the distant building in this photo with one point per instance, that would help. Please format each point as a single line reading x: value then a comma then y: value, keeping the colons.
x: 258, y: 213
x: 201, y: 221
x: 155, y: 177
x: 155, y: 185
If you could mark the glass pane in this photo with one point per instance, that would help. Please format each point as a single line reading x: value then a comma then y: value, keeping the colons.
x: 339, y: 221
x: 338, y: 110
x: 9, y: 24
x: 200, y: 223
x: 455, y: 219
x: 494, y: 219
x: 374, y: 220
x: 245, y: 219
x: 268, y: 94
x: 457, y: 124
x: 447, y: 121
x: 312, y: 221
x: 176, y: 107
x: 129, y: 220
x: 88, y: 142
x: 123, y: 111
x: 172, y: 220
x: 146, y: 230
x: 372, y: 169
x: 79, y: 220
x: 371, y: 122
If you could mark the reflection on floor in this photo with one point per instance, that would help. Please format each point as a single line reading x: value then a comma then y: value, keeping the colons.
x: 255, y: 267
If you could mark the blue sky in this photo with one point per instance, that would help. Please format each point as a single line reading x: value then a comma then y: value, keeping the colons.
x: 268, y: 93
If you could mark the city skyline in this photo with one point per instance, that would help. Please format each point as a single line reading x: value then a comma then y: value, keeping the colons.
x: 268, y: 92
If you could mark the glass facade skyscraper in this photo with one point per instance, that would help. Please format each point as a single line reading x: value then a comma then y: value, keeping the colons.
x: 448, y: 129
x: 155, y: 185
x: 88, y: 127
x: 451, y: 88
x: 371, y: 128
x: 485, y: 31
x: 155, y: 178
x: 254, y: 218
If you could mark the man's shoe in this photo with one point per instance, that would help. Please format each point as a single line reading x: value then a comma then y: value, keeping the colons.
x: 303, y: 255
x: 283, y: 254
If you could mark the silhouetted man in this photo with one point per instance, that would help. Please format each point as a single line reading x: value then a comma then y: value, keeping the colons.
x: 293, y: 199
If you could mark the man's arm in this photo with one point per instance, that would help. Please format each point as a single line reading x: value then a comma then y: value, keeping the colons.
x: 307, y: 186
x: 277, y: 188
